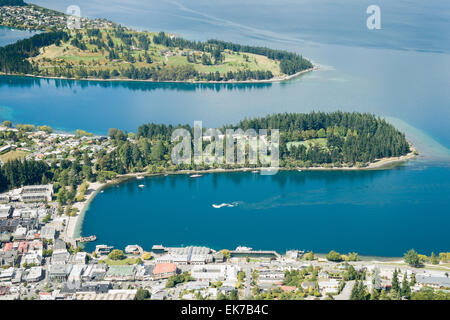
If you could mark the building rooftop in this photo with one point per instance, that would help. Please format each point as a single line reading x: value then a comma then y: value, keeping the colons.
x: 165, y: 268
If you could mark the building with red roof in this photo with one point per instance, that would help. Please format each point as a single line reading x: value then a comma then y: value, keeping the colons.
x: 23, y: 247
x: 8, y: 246
x: 164, y: 270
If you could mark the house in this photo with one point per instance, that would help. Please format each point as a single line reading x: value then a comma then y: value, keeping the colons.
x: 436, y: 282
x: 164, y: 270
x: 23, y: 247
x: 329, y: 286
x: 35, y: 245
x: 7, y: 246
x: 308, y: 284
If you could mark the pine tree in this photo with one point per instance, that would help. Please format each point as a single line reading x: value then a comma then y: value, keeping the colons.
x: 395, y: 283
x: 406, y: 290
x: 412, y: 281
x: 434, y: 259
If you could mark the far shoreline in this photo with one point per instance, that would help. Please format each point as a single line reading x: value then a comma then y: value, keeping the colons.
x: 273, y: 80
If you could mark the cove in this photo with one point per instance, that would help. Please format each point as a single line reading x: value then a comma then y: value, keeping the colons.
x: 377, y: 213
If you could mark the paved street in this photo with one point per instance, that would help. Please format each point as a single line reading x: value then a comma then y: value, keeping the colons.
x: 345, y: 294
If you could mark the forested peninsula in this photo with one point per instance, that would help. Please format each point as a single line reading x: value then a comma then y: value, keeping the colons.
x: 103, y: 50
x: 316, y: 140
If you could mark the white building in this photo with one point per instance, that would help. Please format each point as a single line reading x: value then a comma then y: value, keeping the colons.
x: 227, y: 274
x: 34, y: 274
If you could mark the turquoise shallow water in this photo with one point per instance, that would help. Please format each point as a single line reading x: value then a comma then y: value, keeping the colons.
x: 400, y: 72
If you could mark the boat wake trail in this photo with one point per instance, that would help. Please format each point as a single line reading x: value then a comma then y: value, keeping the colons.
x: 228, y: 205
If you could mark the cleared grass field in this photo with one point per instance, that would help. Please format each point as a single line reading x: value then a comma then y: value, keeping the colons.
x: 94, y: 58
x: 12, y: 155
x: 320, y: 142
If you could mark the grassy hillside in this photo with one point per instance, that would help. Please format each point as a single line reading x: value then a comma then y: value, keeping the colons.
x: 111, y: 51
x: 102, y: 49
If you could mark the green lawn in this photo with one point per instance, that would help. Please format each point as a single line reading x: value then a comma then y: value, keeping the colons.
x: 321, y: 142
x: 98, y: 59
x: 12, y: 155
x: 123, y: 262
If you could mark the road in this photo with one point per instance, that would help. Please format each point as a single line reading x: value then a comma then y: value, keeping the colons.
x: 248, y: 279
x: 346, y: 292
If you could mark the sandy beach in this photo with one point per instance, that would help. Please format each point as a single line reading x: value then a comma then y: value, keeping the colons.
x: 70, y: 232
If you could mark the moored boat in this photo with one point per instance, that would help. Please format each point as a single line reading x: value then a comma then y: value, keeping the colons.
x: 87, y: 239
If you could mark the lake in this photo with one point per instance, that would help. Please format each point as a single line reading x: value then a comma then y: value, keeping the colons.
x: 400, y: 72
x: 377, y: 213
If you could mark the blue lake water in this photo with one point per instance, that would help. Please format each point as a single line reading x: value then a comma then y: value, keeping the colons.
x: 401, y: 72
x: 371, y: 212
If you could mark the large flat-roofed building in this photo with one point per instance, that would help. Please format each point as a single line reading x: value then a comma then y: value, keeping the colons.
x: 214, y: 273
x: 5, y: 211
x: 4, y: 198
x: 48, y: 233
x: 94, y: 272
x: 121, y: 273
x: 110, y: 295
x: 59, y: 272
x: 164, y: 270
x: 34, y: 274
x: 187, y: 255
x: 37, y: 193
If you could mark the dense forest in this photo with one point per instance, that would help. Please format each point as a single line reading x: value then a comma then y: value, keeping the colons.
x: 350, y: 139
x: 17, y: 173
x: 347, y: 138
x: 13, y: 57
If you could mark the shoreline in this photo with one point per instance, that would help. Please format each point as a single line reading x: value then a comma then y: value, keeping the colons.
x: 74, y: 226
x: 273, y: 80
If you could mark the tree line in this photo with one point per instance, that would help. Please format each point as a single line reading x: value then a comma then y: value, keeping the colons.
x: 350, y: 138
x: 13, y: 57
